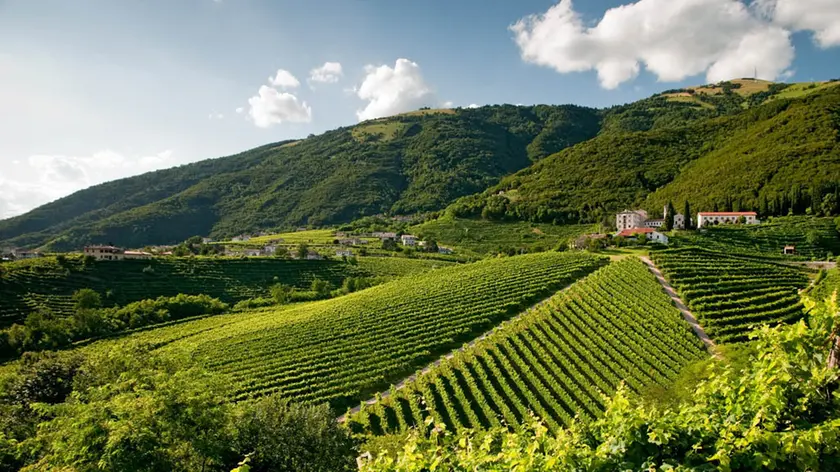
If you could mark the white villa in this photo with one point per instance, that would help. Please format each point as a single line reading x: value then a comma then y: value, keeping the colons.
x: 408, y: 240
x: 629, y: 219
x: 113, y: 253
x: 726, y: 217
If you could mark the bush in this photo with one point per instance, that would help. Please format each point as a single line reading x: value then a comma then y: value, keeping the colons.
x: 86, y: 299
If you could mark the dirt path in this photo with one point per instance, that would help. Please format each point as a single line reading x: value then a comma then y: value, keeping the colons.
x: 689, y: 317
x: 402, y: 383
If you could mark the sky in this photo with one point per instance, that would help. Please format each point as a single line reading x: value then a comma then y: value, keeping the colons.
x: 97, y: 90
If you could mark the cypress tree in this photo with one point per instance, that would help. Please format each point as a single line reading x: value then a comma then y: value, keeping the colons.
x: 669, y: 216
x: 688, y: 223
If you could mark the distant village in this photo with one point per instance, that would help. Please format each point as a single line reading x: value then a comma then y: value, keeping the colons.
x: 343, y: 246
x: 636, y: 223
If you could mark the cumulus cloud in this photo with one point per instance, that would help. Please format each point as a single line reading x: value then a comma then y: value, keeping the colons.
x: 42, y: 178
x: 822, y: 17
x: 672, y: 39
x: 473, y: 105
x: 239, y: 110
x: 329, y: 73
x: 271, y: 107
x: 390, y: 91
x: 284, y: 79
x: 215, y: 116
x: 447, y: 104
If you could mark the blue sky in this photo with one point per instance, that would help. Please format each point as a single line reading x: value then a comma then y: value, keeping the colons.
x: 98, y: 89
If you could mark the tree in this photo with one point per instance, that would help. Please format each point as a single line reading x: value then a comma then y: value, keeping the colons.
x: 669, y: 216
x: 321, y: 287
x: 281, y: 293
x: 86, y: 299
x: 286, y: 437
x: 302, y: 251
x: 688, y: 221
x: 829, y: 204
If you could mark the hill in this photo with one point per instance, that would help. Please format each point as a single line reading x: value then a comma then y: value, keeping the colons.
x: 777, y: 156
x: 28, y: 284
x: 402, y: 164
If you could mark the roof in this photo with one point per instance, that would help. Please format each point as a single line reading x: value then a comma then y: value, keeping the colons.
x: 408, y: 236
x: 97, y: 246
x: 137, y: 253
x: 727, y: 213
x: 632, y: 231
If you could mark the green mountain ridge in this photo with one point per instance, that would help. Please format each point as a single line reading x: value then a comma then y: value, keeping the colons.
x: 733, y: 143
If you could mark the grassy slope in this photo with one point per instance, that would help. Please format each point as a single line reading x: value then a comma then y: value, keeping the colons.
x: 482, y: 236
x: 335, y: 350
x: 26, y: 284
x: 402, y: 164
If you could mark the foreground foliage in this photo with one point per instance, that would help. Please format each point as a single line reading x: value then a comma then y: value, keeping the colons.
x: 780, y: 412
x: 558, y: 360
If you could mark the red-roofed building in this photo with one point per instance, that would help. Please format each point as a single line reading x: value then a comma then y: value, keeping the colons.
x: 649, y: 233
x: 710, y: 218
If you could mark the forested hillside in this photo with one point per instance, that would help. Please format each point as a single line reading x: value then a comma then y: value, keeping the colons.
x: 776, y: 157
x: 403, y: 164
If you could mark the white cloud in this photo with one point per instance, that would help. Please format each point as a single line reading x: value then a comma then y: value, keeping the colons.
x: 820, y: 16
x: 390, y: 91
x: 239, y: 110
x: 447, y: 104
x: 284, y: 79
x: 672, y: 39
x: 215, y: 116
x: 270, y: 107
x: 42, y: 178
x: 473, y: 105
x: 329, y: 73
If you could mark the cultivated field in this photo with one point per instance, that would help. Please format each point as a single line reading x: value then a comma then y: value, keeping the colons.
x: 732, y: 295
x: 558, y: 361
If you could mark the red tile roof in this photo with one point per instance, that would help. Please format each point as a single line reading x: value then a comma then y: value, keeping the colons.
x: 728, y: 213
x: 631, y: 231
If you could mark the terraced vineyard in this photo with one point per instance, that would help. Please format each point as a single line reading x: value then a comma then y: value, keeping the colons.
x: 813, y: 238
x: 557, y: 361
x: 344, y: 349
x: 732, y: 295
x: 25, y: 285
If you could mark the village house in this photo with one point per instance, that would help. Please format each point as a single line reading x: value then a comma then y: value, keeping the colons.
x: 384, y: 235
x: 269, y: 250
x: 105, y: 252
x: 726, y: 217
x: 25, y: 254
x: 313, y: 256
x: 137, y: 255
x: 241, y: 238
x: 629, y: 219
x: 789, y: 250
x: 344, y: 253
x: 649, y: 233
x: 408, y: 240
x: 250, y: 252
x: 206, y: 240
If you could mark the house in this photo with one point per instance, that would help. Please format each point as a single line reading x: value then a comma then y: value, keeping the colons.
x: 344, y: 253
x: 25, y: 254
x: 136, y: 255
x: 206, y: 240
x: 408, y: 240
x: 351, y: 241
x: 241, y: 238
x: 726, y: 217
x: 269, y: 249
x: 629, y: 219
x: 789, y: 250
x: 105, y: 253
x: 384, y: 236
x: 445, y: 250
x: 649, y: 233
x: 313, y: 256
x: 252, y: 252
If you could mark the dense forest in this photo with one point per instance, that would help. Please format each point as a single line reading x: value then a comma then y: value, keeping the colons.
x: 736, y: 145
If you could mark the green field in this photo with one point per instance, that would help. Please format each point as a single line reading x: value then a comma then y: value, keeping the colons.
x: 483, y: 236
x: 345, y: 349
x: 732, y: 295
x: 813, y: 238
x: 27, y: 284
x: 557, y: 361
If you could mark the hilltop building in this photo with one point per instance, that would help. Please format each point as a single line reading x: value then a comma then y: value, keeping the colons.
x: 630, y: 219
x: 114, y: 253
x: 408, y: 240
x: 726, y: 217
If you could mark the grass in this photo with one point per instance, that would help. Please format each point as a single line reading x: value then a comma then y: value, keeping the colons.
x: 484, y: 237
x: 381, y: 131
x: 802, y: 89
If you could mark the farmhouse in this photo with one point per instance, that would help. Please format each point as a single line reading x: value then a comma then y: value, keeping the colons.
x: 25, y: 254
x: 789, y: 250
x: 649, y: 233
x: 629, y: 219
x: 269, y: 249
x: 408, y: 240
x: 383, y: 236
x: 105, y: 253
x: 726, y: 217
x: 252, y: 252
x: 344, y: 253
x: 136, y: 255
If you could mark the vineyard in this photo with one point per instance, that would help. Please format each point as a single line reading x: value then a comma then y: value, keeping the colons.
x: 344, y: 349
x: 26, y: 284
x: 558, y: 361
x: 731, y: 295
x: 813, y: 238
